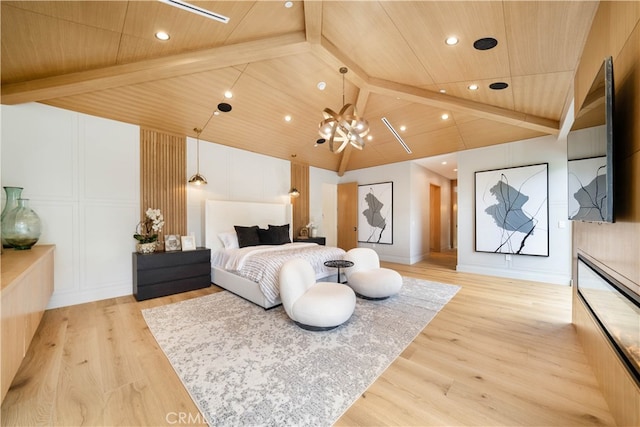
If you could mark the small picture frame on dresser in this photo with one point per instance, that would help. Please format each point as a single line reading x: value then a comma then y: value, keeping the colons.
x: 172, y: 242
x: 188, y: 243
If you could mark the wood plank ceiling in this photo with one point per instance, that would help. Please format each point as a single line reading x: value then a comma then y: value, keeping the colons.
x: 102, y: 58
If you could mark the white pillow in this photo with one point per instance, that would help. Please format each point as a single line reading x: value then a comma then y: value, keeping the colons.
x: 229, y: 240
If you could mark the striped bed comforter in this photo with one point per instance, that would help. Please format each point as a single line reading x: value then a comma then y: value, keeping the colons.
x: 261, y: 264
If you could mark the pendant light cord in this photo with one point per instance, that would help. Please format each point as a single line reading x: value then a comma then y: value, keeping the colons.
x: 198, y: 132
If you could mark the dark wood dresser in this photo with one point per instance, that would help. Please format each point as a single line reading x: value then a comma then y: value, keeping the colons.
x: 165, y: 273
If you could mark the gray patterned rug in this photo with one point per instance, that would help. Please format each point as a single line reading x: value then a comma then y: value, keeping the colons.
x: 244, y: 366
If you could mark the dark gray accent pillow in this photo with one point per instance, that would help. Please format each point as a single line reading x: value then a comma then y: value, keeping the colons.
x: 247, y: 236
x: 280, y: 234
x: 268, y: 237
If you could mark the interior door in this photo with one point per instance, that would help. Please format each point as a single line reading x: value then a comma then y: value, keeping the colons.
x: 434, y: 218
x: 348, y: 215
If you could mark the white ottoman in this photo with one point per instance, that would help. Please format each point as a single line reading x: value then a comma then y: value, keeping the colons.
x: 378, y: 283
x: 367, y: 278
x: 316, y: 306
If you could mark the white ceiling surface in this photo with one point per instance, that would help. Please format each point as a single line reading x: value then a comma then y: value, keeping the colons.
x: 445, y: 165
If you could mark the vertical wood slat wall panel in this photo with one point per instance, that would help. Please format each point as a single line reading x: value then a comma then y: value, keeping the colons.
x: 163, y: 179
x: 300, y: 180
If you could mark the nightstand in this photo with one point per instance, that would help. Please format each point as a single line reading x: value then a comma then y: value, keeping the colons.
x: 165, y: 273
x: 318, y: 240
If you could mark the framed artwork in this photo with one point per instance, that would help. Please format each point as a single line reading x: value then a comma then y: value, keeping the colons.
x: 172, y: 243
x: 188, y: 243
x: 375, y: 213
x: 512, y: 210
x: 588, y: 189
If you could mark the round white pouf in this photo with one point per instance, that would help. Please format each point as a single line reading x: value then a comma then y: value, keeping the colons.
x: 324, y: 306
x: 378, y: 283
x: 367, y: 278
x: 316, y: 306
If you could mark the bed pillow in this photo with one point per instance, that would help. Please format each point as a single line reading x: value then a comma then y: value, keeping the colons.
x: 280, y: 233
x: 247, y: 236
x: 229, y: 240
x: 268, y: 237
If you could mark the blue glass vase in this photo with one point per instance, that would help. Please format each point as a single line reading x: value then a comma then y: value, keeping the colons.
x: 21, y: 226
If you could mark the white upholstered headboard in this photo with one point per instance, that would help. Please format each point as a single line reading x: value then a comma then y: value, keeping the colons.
x: 222, y: 215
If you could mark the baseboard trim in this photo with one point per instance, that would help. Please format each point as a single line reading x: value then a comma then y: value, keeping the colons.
x: 67, y: 298
x: 534, y: 276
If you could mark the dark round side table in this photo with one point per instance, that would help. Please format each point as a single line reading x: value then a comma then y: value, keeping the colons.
x: 338, y: 263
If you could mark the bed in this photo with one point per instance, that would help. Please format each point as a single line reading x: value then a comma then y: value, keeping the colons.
x: 252, y: 272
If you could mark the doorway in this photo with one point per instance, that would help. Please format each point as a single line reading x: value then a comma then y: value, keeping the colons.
x: 435, y: 243
x: 348, y: 215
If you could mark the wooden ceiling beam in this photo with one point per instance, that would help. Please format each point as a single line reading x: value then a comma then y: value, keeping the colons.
x: 436, y: 99
x: 334, y: 58
x: 313, y: 20
x: 331, y: 55
x: 154, y: 69
x: 344, y: 160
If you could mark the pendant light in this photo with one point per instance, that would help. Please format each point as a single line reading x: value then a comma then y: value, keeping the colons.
x: 198, y: 179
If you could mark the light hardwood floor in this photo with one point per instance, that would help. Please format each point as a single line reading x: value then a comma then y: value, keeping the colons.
x: 503, y: 352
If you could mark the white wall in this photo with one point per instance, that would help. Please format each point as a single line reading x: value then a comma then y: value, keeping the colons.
x: 403, y: 192
x: 82, y: 176
x: 553, y: 269
x: 410, y: 208
x: 421, y: 179
x: 233, y: 174
x: 323, y: 203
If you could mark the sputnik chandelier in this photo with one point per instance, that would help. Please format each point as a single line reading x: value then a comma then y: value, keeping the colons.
x: 344, y: 127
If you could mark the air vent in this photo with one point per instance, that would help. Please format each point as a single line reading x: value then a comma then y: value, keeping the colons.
x: 396, y: 134
x: 197, y: 10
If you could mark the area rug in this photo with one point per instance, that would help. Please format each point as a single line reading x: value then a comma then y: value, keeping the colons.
x: 246, y: 366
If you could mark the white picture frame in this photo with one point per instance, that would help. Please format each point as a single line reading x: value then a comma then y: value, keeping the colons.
x: 172, y: 243
x: 188, y: 243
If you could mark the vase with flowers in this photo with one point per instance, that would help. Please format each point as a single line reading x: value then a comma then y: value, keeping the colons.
x: 147, y: 231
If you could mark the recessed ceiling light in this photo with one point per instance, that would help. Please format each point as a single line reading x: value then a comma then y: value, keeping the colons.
x: 444, y: 163
x: 451, y: 41
x: 288, y: 4
x: 472, y: 87
x: 369, y: 138
x: 287, y: 118
x: 445, y: 116
x: 498, y: 86
x: 161, y: 35
x: 485, y: 43
x: 228, y: 94
x: 403, y: 128
x: 322, y: 85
